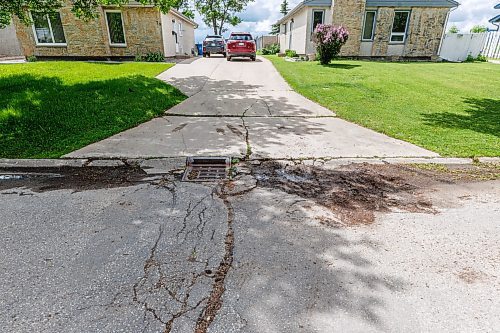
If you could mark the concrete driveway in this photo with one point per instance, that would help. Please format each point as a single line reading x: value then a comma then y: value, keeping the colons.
x: 245, y: 109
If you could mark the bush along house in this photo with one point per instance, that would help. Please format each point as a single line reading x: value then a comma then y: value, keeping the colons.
x: 119, y: 32
x: 384, y: 29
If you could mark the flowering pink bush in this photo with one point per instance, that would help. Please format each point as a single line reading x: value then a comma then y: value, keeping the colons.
x: 329, y: 39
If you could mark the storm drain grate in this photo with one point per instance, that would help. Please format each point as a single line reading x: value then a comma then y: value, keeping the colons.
x: 206, y: 169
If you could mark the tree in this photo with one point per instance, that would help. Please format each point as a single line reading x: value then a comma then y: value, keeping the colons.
x: 183, y: 7
x: 217, y: 13
x: 478, y: 29
x: 84, y: 9
x: 453, y: 30
x: 275, y: 29
x: 284, y: 9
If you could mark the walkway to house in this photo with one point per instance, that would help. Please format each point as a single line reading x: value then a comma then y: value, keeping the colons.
x: 245, y: 108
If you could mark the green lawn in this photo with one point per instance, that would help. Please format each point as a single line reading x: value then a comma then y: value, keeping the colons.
x: 452, y: 109
x: 48, y: 109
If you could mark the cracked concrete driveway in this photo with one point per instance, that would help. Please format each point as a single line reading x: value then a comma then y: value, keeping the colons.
x: 123, y: 251
x: 245, y: 109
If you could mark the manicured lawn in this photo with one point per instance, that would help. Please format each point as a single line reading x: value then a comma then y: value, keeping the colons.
x: 48, y: 109
x: 452, y: 109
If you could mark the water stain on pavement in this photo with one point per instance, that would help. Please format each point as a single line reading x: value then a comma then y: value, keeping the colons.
x: 355, y: 193
x: 76, y: 179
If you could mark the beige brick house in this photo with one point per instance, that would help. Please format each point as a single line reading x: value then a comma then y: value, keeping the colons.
x: 395, y: 29
x: 118, y: 32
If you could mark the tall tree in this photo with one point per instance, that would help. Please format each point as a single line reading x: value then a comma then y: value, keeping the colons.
x: 218, y: 13
x: 275, y: 29
x: 183, y: 7
x: 84, y: 9
x: 284, y: 9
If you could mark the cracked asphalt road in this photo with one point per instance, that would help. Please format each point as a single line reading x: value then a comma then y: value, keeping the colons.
x: 245, y: 109
x: 159, y: 255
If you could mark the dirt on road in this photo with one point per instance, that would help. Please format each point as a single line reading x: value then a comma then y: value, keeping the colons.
x: 358, y: 191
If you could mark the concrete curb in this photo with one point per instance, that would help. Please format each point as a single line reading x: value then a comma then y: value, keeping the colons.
x: 165, y: 165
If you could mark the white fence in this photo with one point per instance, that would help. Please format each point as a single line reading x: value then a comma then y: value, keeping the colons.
x: 491, y: 48
x: 457, y: 47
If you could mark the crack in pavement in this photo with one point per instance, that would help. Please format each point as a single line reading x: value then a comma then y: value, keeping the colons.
x: 248, y: 152
x: 214, y: 302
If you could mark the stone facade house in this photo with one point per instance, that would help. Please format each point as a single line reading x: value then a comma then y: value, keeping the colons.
x: 393, y: 29
x: 118, y: 32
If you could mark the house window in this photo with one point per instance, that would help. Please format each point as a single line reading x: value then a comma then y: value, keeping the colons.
x: 318, y: 18
x: 180, y: 29
x: 283, y: 28
x: 400, y: 26
x: 48, y: 29
x: 369, y: 27
x: 116, y: 31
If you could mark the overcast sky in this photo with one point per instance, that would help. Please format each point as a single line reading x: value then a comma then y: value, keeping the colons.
x: 259, y: 16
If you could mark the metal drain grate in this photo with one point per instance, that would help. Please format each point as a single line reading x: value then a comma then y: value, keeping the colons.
x: 206, y: 169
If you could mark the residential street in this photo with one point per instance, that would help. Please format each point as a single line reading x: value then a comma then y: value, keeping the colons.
x: 244, y: 108
x: 324, y: 226
x: 391, y: 249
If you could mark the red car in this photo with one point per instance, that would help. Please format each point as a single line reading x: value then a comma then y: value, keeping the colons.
x: 241, y: 44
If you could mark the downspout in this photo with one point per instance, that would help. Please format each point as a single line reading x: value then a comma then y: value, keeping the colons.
x: 444, y: 31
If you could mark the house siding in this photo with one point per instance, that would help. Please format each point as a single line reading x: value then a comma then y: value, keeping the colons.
x: 302, y: 30
x: 425, y: 29
x: 186, y: 41
x: 90, y: 38
x: 9, y: 44
x: 349, y: 13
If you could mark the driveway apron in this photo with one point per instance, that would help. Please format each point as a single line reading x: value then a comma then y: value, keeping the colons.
x: 245, y: 109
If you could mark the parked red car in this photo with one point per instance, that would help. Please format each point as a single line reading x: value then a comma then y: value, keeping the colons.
x: 241, y: 44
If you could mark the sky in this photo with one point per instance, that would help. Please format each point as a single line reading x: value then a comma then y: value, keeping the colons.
x: 261, y: 14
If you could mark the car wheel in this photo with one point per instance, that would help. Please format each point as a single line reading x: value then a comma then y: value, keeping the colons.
x: 208, y: 55
x: 253, y: 58
x: 228, y: 58
x: 204, y: 55
x: 224, y: 54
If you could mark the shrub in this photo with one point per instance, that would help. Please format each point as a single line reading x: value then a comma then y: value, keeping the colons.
x: 291, y: 53
x: 31, y: 58
x: 151, y: 57
x: 271, y: 49
x: 329, y: 39
x: 470, y: 58
x: 477, y: 29
x: 481, y: 58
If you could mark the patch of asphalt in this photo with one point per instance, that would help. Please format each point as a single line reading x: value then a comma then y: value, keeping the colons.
x: 183, y: 283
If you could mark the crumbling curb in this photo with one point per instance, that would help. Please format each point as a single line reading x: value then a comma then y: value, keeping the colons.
x: 167, y: 165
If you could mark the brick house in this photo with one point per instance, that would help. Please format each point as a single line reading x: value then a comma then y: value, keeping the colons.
x: 118, y: 32
x: 394, y: 29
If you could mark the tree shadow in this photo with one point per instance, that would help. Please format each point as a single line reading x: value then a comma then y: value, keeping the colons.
x: 340, y: 66
x: 42, y: 116
x: 293, y: 275
x: 483, y: 116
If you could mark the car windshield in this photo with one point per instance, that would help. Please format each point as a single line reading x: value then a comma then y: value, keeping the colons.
x: 240, y: 37
x: 213, y: 38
